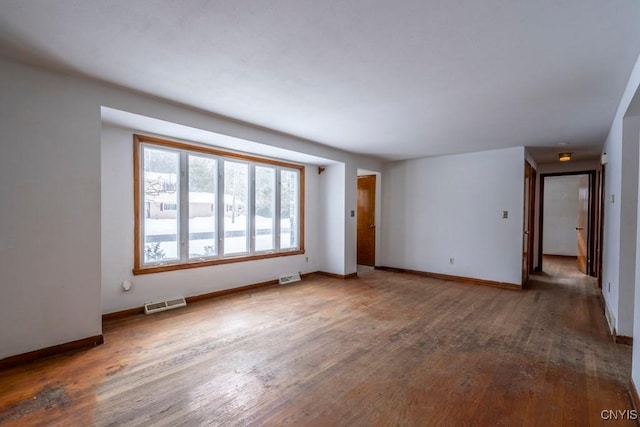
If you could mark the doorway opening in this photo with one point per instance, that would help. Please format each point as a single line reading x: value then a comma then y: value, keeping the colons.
x: 568, y: 232
x: 529, y: 220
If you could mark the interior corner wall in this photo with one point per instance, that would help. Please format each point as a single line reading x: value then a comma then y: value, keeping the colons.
x: 447, y: 207
x: 50, y: 210
x: 529, y: 158
x: 333, y: 211
x: 635, y: 365
x: 118, y: 236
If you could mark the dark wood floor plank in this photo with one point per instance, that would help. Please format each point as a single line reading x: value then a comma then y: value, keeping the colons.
x: 383, y: 349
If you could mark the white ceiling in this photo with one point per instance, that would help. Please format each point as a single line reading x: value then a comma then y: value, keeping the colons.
x: 395, y: 79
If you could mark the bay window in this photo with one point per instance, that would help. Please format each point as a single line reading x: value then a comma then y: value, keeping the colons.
x: 197, y: 206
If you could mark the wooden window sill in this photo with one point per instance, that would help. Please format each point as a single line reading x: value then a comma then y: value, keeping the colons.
x: 218, y: 261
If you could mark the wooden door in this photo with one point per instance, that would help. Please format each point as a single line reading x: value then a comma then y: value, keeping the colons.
x: 583, y: 223
x: 527, y: 232
x: 366, y: 220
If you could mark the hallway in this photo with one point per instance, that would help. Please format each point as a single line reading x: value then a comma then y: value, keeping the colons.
x: 564, y: 268
x: 580, y: 339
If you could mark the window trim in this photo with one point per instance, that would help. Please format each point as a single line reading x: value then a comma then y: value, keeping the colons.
x: 140, y: 268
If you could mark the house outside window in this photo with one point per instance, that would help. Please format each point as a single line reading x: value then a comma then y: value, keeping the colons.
x: 204, y: 206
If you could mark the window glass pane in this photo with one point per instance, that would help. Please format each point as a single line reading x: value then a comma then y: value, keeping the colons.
x: 160, y: 184
x: 236, y: 197
x: 202, y: 206
x: 289, y: 209
x: 181, y: 221
x: 265, y: 190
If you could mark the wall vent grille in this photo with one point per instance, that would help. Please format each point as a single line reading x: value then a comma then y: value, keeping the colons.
x: 155, y: 307
x: 289, y: 278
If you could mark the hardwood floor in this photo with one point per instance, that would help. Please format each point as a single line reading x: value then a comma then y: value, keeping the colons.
x: 384, y: 349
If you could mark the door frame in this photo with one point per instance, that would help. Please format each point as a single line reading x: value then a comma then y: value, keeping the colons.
x: 377, y: 207
x: 601, y: 177
x: 591, y: 260
x: 529, y: 223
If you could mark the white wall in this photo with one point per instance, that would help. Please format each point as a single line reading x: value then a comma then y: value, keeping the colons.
x: 50, y: 244
x: 614, y: 227
x: 351, y: 231
x: 332, y: 208
x: 611, y: 235
x: 49, y: 211
x: 628, y: 224
x: 561, y: 215
x: 620, y: 226
x: 451, y: 207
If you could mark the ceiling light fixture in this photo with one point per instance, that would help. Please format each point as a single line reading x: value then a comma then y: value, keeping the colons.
x: 564, y: 157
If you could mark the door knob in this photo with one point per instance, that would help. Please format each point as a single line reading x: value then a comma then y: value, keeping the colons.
x: 372, y: 226
x: 579, y: 228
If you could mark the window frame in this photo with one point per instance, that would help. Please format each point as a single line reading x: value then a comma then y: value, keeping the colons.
x: 140, y: 141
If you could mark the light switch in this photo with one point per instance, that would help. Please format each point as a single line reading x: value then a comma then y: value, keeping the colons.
x: 612, y: 199
x: 353, y: 213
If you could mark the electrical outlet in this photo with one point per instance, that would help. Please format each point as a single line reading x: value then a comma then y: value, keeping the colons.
x: 452, y: 261
x: 306, y: 259
x: 505, y: 214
